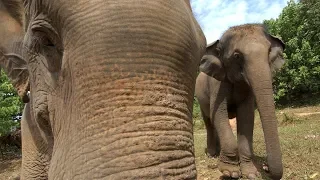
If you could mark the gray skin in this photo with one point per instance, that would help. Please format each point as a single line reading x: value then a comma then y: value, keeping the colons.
x: 112, y: 85
x: 236, y: 73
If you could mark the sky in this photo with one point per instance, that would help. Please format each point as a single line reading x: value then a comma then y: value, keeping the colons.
x: 216, y: 16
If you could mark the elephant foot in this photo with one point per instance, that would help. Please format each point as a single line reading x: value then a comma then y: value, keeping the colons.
x: 229, y: 170
x: 211, y: 153
x: 249, y: 171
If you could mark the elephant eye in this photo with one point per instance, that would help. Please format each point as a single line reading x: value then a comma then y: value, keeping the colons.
x: 46, y: 47
x: 44, y: 40
x: 218, y: 52
x: 47, y: 42
x: 237, y: 55
x: 39, y: 42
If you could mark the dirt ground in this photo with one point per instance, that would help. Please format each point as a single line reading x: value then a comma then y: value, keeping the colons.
x: 299, y: 130
x: 10, y: 165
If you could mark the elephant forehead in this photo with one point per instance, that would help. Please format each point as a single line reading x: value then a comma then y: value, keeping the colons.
x: 244, y: 32
x: 247, y: 29
x: 242, y: 41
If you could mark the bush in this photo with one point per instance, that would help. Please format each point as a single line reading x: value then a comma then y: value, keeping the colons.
x: 10, y: 106
x: 298, y: 26
x: 197, y: 117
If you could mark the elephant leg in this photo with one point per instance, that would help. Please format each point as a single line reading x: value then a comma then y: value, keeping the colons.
x: 36, y: 153
x: 229, y: 160
x: 213, y: 145
x: 245, y: 119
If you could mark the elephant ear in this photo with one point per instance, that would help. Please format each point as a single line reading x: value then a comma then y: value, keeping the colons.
x: 276, y: 53
x: 11, y: 44
x: 15, y: 67
x: 211, y: 64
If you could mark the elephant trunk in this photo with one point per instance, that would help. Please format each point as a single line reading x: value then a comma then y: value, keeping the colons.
x: 259, y: 77
x: 131, y: 95
x: 134, y: 125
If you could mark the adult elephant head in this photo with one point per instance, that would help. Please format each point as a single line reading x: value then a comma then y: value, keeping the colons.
x: 243, y: 60
x: 112, y: 86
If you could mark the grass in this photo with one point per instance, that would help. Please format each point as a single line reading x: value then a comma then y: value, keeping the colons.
x: 197, y: 118
x: 299, y: 131
x: 290, y: 119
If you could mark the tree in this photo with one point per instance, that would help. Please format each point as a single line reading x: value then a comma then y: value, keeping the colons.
x: 298, y: 26
x: 10, y: 105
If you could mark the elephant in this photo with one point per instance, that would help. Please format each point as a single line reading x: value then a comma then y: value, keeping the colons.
x: 236, y: 77
x: 111, y: 87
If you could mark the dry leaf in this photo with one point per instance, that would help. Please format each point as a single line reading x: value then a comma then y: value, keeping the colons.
x: 314, y: 175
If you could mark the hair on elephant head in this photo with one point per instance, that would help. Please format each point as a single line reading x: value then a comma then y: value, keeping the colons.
x: 109, y: 93
x: 237, y: 69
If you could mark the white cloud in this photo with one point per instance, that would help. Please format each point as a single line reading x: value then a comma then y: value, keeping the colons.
x: 216, y: 16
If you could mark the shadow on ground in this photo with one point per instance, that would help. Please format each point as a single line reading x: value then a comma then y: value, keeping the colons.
x: 10, y: 163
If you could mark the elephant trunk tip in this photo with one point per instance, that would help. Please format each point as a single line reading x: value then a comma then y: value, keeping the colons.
x: 275, y: 171
x: 276, y: 176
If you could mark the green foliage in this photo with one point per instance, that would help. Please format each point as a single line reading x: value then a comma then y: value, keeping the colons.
x: 10, y: 105
x: 290, y: 119
x: 197, y: 117
x: 299, y: 27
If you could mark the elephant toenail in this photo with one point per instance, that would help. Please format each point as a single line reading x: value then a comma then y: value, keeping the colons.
x: 226, y: 173
x: 235, y: 175
x: 265, y: 167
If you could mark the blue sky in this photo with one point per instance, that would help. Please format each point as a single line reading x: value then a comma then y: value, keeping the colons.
x: 216, y: 16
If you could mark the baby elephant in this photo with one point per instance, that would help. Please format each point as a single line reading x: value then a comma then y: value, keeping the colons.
x: 236, y: 72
